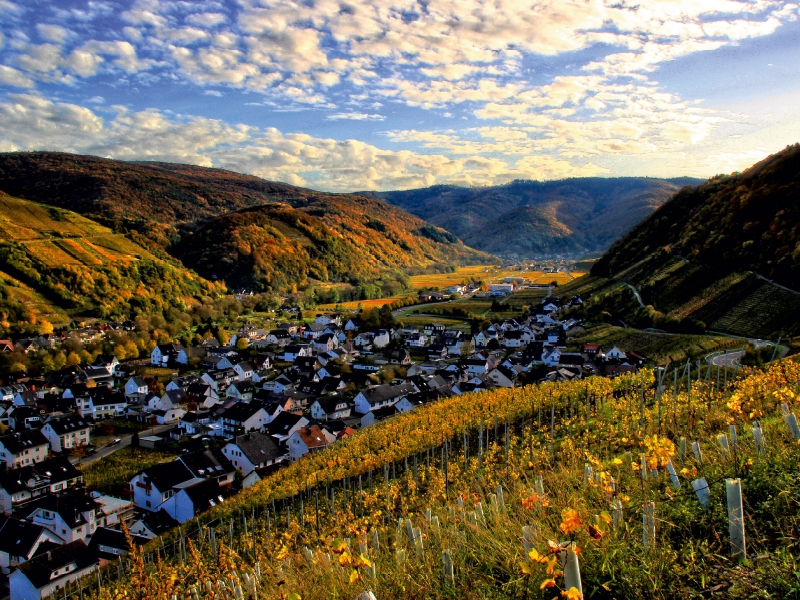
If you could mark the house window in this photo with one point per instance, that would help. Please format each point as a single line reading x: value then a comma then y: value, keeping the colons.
x: 147, y: 504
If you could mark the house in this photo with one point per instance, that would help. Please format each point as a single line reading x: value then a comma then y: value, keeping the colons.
x: 71, y: 516
x: 433, y: 329
x: 24, y: 484
x: 244, y: 371
x: 381, y: 395
x: 23, y: 448
x: 108, y: 545
x: 242, y: 418
x: 114, y: 510
x: 476, y: 365
x: 308, y: 439
x: 330, y: 409
x: 136, y: 388
x: 285, y: 424
x: 186, y: 354
x: 193, y: 498
x: 417, y: 340
x: 199, y: 422
x: 516, y: 339
x: 216, y: 362
x: 20, y: 541
x: 591, y: 350
x: 551, y: 357
x: 325, y: 342
x: 260, y: 473
x: 279, y: 338
x: 153, y: 524
x: 379, y: 414
x: 209, y: 464
x: 48, y: 572
x: 241, y: 390
x: 154, y: 485
x: 66, y: 432
x: 616, y: 354
x: 502, y: 376
x: 252, y: 451
x: 292, y: 351
x: 170, y: 415
x: 164, y: 353
x: 381, y: 338
x: 107, y: 405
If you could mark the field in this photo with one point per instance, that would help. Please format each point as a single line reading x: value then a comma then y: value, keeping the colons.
x: 365, y: 304
x: 485, y: 273
x: 111, y: 474
x: 573, y: 490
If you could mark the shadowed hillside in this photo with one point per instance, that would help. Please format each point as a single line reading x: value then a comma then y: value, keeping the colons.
x: 534, y: 218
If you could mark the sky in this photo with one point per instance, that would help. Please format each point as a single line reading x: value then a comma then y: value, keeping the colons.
x: 346, y: 95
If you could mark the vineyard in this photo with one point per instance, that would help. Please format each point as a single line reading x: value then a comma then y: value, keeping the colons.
x: 365, y: 304
x: 672, y: 484
x: 112, y: 474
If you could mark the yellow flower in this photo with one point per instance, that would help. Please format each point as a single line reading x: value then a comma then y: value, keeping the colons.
x: 572, y: 594
x: 547, y: 583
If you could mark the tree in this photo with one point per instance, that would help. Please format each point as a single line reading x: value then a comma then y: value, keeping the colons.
x: 242, y: 343
x: 135, y: 440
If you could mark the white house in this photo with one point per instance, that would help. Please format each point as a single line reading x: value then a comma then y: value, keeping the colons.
x: 616, y: 353
x: 49, y: 572
x: 192, y: 498
x: 136, y: 387
x: 154, y: 485
x: 19, y: 541
x: 244, y: 371
x: 252, y: 451
x: 381, y: 395
x: 163, y: 353
x: 23, y: 448
x: 65, y: 433
x: 330, y: 409
x: 308, y: 439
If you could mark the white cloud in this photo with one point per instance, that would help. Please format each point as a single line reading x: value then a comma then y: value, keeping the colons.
x: 31, y: 122
x: 206, y: 19
x: 352, y: 116
x: 11, y: 76
x: 53, y: 33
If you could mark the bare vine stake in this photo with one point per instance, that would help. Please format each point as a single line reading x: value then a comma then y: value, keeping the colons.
x: 649, y: 522
x: 572, y: 571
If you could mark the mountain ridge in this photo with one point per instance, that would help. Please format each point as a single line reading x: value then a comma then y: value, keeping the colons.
x: 594, y: 210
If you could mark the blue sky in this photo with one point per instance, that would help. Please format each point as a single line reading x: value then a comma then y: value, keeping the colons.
x: 391, y: 94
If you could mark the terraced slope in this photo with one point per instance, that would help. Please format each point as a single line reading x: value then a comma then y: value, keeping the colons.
x: 57, y: 265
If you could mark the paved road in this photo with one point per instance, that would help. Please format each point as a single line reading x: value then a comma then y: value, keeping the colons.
x: 733, y: 358
x: 124, y: 441
x: 636, y: 293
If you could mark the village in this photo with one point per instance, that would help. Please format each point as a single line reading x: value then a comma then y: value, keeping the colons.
x: 238, y: 412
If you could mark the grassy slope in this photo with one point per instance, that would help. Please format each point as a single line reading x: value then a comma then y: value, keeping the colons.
x: 688, y: 558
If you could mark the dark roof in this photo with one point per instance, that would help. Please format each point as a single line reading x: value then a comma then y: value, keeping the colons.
x: 138, y: 381
x: 19, y: 442
x: 67, y: 424
x: 204, y: 494
x: 53, y: 470
x: 159, y: 522
x: 107, y: 398
x: 18, y: 537
x: 258, y: 447
x: 283, y: 423
x: 40, y: 568
x: 170, y: 348
x: 167, y: 475
x: 382, y: 393
x: 241, y: 411
x: 69, y: 506
x: 207, y: 463
x: 112, y: 538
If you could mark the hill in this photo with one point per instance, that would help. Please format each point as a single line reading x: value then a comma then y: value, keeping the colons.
x: 483, y: 496
x: 532, y: 218
x: 57, y: 265
x: 172, y: 208
x: 743, y: 222
x: 711, y: 254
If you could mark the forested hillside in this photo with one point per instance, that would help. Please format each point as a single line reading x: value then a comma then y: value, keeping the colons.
x: 748, y: 221
x: 170, y: 209
x: 533, y: 218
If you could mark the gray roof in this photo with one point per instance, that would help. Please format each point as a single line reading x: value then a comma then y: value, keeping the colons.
x: 382, y: 393
x: 258, y: 447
